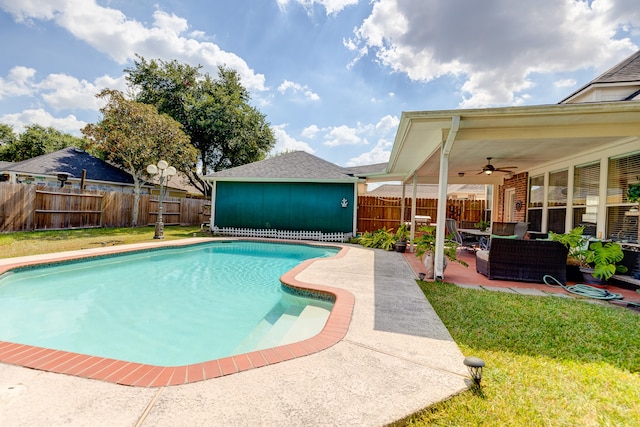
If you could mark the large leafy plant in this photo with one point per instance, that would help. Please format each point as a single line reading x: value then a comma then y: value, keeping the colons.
x: 576, y: 242
x: 605, y: 258
x: 425, y: 242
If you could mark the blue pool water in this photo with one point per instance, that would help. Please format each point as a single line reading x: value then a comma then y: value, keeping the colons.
x: 169, y: 307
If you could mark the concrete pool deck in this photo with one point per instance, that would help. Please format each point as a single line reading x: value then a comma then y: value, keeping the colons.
x: 395, y: 359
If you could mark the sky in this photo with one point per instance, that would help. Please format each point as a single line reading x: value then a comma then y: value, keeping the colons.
x: 331, y: 76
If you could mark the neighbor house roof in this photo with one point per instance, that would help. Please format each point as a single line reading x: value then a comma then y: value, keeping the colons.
x: 293, y: 166
x: 427, y: 191
x: 367, y: 169
x: 72, y: 161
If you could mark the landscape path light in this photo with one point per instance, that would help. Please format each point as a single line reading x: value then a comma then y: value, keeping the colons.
x: 475, y: 365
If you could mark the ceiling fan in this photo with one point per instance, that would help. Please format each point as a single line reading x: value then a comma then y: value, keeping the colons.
x: 489, y: 168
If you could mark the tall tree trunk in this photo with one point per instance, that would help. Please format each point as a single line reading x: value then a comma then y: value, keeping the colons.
x: 136, y: 201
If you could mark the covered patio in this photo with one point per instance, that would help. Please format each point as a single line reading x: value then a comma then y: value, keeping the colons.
x: 452, y: 147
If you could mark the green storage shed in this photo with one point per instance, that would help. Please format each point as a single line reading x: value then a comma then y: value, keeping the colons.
x: 295, y: 191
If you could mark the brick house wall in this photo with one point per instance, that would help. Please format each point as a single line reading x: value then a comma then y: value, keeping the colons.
x: 519, y: 182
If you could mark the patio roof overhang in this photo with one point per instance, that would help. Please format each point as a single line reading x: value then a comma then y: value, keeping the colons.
x: 451, y: 147
x: 527, y: 137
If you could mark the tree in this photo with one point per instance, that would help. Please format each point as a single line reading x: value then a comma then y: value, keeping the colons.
x: 225, y: 129
x: 7, y: 140
x: 133, y: 135
x: 35, y: 141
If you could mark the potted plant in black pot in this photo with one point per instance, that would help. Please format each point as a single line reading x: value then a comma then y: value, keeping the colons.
x: 601, y: 260
x: 401, y: 237
x: 577, y: 243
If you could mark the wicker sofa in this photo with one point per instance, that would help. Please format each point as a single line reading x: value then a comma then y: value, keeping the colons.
x: 523, y: 260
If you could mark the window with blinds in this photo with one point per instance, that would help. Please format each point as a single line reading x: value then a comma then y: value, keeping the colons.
x: 622, y: 217
x: 623, y: 171
x: 557, y: 191
x: 586, y: 190
x: 536, y: 191
x: 536, y: 199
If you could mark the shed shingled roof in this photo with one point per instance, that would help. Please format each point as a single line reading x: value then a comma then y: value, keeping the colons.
x: 295, y: 165
x: 72, y: 161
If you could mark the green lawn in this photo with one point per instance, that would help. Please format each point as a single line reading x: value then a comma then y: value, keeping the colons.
x: 42, y: 242
x: 549, y: 361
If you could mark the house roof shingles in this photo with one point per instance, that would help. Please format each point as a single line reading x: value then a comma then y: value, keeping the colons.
x: 296, y: 165
x: 626, y: 71
x: 72, y: 161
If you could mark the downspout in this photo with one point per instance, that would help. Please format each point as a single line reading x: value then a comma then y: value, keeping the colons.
x: 212, y: 220
x: 354, y: 227
x: 438, y: 266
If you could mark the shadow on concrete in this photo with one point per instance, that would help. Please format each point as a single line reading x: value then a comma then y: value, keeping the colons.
x: 400, y: 305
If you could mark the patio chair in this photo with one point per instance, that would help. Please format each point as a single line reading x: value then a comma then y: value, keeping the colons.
x: 464, y: 241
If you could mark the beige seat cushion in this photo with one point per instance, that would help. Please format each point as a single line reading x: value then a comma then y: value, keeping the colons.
x: 483, y: 255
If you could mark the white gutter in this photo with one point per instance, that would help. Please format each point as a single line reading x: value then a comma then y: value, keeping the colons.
x: 438, y: 265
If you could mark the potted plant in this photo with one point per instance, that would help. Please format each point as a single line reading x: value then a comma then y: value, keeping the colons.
x: 425, y: 244
x: 402, y: 234
x: 482, y: 225
x: 575, y: 241
x: 602, y: 260
x: 596, y: 261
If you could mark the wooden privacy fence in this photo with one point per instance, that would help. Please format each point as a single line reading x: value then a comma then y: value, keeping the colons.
x: 30, y: 207
x: 378, y: 212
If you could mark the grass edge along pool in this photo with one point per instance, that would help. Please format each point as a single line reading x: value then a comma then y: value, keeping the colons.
x: 138, y: 374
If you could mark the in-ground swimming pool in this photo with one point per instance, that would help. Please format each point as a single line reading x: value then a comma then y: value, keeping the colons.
x: 168, y: 307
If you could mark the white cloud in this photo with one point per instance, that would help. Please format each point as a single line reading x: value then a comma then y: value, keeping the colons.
x: 345, y: 135
x: 41, y: 117
x: 496, y: 54
x: 387, y: 123
x: 285, y: 142
x: 59, y: 91
x: 310, y: 131
x: 332, y: 7
x: 110, y: 31
x: 360, y: 135
x: 288, y: 86
x: 67, y: 92
x: 379, y: 154
x: 565, y: 83
x: 19, y: 82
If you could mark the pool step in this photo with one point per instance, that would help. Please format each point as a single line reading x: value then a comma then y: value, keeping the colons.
x: 290, y: 326
x: 309, y: 323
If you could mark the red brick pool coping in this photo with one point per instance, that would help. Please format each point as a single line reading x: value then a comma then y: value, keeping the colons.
x: 142, y: 375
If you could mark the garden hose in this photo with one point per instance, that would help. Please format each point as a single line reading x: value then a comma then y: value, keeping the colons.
x: 583, y: 290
